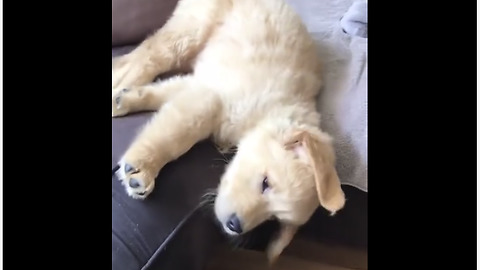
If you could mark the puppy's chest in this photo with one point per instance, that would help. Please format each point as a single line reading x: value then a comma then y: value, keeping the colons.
x: 239, y: 116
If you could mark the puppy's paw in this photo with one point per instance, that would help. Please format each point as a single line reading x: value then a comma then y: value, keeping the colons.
x: 226, y: 149
x: 121, y: 102
x: 137, y: 177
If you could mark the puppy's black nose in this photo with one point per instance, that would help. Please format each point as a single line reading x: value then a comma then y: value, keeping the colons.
x: 233, y: 224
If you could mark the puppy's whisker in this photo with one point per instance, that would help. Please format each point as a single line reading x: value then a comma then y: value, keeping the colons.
x: 242, y: 242
x: 231, y: 153
x: 208, y: 199
x: 224, y: 160
x: 210, y: 193
x: 248, y: 240
x: 236, y: 242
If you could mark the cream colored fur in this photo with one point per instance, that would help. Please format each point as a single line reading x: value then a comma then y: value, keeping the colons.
x: 256, y: 75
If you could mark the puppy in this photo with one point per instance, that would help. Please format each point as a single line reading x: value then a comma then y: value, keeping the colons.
x: 256, y: 75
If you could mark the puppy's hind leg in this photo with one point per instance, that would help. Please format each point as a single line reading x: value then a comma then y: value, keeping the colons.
x: 172, y: 47
x: 190, y: 116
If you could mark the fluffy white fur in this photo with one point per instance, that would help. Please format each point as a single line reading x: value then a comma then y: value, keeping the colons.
x: 254, y: 81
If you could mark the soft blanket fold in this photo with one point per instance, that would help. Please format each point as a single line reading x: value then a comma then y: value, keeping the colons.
x: 343, y: 101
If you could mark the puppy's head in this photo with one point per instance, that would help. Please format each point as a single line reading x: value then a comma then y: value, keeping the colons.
x: 282, y: 176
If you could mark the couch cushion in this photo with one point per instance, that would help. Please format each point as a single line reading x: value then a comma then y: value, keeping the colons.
x: 118, y: 51
x: 140, y: 228
x: 167, y: 230
x: 133, y: 20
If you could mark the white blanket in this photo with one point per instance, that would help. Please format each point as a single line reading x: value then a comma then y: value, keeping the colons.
x: 343, y: 102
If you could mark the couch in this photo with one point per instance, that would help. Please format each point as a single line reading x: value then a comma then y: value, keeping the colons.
x: 170, y: 229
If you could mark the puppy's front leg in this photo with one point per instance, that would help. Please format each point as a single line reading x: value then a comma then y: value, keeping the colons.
x: 149, y: 97
x: 285, y: 236
x: 188, y: 118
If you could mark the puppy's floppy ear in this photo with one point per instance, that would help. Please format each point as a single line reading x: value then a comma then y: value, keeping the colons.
x: 316, y: 149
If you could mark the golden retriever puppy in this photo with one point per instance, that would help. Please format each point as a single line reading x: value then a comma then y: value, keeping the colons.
x: 256, y: 75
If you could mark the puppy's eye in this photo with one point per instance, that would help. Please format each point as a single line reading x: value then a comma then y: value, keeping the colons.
x: 265, y: 184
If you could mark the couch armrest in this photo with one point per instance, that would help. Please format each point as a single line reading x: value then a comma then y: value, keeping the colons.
x: 141, y: 227
x: 133, y: 21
